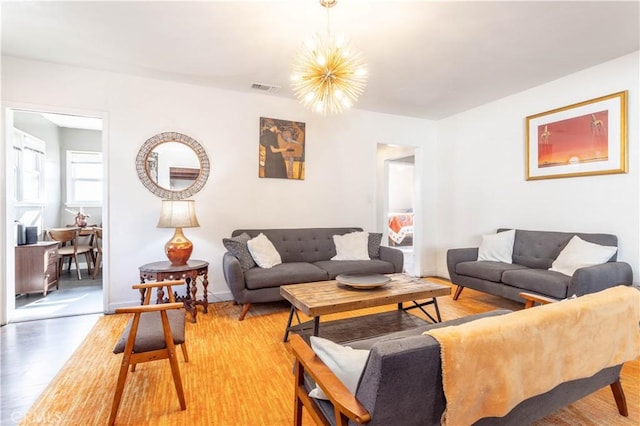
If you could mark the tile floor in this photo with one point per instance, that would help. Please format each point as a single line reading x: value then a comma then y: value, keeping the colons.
x: 75, y: 297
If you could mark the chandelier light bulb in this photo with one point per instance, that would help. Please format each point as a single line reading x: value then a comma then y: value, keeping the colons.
x: 310, y: 44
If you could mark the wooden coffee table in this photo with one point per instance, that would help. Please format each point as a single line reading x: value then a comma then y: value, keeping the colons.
x: 330, y: 297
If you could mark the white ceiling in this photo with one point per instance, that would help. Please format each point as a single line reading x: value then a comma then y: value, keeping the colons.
x: 426, y: 59
x: 74, y: 121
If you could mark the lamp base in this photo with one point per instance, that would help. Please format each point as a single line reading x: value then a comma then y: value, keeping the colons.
x: 178, y: 249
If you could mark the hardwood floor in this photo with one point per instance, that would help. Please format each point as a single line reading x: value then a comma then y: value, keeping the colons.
x: 42, y: 335
x: 31, y: 354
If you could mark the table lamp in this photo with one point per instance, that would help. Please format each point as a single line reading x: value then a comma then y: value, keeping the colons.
x: 178, y: 214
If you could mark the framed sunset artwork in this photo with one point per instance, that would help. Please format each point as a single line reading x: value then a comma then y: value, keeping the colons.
x: 583, y: 139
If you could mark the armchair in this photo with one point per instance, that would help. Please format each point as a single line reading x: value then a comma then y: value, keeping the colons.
x: 151, y: 335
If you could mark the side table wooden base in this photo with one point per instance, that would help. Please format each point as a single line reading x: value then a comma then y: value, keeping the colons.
x: 160, y: 271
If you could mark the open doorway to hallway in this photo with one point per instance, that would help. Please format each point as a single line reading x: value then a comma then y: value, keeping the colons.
x: 397, y: 201
x: 55, y: 179
x: 400, y: 211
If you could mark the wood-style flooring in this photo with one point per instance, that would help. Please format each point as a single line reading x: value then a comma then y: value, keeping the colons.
x: 43, y: 334
x: 31, y: 354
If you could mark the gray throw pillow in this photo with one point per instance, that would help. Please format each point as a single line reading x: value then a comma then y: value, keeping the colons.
x: 237, y: 246
x: 375, y: 238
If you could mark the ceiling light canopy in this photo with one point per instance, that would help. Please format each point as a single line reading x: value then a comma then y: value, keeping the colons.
x: 328, y: 74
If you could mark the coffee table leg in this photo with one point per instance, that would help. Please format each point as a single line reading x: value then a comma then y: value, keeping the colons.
x: 288, y: 328
x: 420, y: 306
x: 435, y: 305
x: 316, y: 325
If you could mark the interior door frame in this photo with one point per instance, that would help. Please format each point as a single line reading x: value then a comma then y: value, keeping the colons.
x: 7, y: 229
x: 417, y: 208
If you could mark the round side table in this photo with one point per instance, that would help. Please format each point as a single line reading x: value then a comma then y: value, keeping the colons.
x: 160, y: 271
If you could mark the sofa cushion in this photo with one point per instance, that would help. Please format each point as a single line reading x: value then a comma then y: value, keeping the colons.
x: 301, y: 244
x: 285, y: 273
x: 538, y: 249
x: 351, y: 246
x: 549, y: 283
x: 337, y: 267
x: 497, y: 247
x: 237, y: 246
x: 579, y: 253
x: 486, y: 270
x: 375, y: 238
x: 345, y: 362
x: 263, y: 252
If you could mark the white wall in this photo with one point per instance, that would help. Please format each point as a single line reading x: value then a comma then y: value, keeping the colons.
x: 340, y: 184
x: 483, y: 160
x: 38, y: 126
x: 400, y: 187
x: 461, y: 196
x: 77, y: 140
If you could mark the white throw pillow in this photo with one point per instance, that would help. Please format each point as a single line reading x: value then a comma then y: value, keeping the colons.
x: 352, y: 246
x: 263, y: 252
x: 497, y: 247
x: 579, y: 253
x: 345, y: 362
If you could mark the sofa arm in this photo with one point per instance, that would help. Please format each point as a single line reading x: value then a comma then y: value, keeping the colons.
x: 345, y: 403
x: 458, y: 255
x: 599, y: 277
x: 394, y: 256
x: 234, y: 276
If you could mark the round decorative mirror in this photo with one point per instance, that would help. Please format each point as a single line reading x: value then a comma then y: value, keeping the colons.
x: 172, y: 166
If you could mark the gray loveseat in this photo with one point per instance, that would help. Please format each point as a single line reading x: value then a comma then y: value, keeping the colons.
x: 533, y: 254
x: 401, y: 383
x: 306, y: 257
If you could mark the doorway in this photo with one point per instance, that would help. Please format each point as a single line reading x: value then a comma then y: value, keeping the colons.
x: 400, y: 209
x: 55, y: 174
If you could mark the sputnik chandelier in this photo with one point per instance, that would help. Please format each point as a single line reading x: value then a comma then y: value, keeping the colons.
x: 328, y: 74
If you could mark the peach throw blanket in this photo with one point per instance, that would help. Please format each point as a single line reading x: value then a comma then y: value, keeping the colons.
x: 492, y: 364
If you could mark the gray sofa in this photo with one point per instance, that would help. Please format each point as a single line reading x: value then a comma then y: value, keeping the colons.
x: 306, y: 257
x: 533, y: 254
x: 401, y: 384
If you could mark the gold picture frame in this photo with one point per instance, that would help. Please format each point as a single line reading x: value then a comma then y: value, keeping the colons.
x: 584, y: 139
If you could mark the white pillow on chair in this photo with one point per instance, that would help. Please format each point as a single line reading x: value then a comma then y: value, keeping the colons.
x: 344, y: 361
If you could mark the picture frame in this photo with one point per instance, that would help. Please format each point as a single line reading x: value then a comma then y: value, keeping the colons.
x: 281, y: 149
x: 584, y: 139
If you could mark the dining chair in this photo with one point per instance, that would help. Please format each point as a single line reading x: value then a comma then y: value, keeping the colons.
x: 70, y: 248
x: 97, y: 251
x: 151, y: 335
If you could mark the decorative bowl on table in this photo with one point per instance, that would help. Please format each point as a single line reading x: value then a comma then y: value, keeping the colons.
x: 363, y: 281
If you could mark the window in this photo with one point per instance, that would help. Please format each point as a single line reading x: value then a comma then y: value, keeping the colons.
x: 28, y: 168
x: 84, y: 178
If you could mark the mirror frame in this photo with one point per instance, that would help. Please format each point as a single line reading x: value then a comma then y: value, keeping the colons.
x: 167, y: 194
